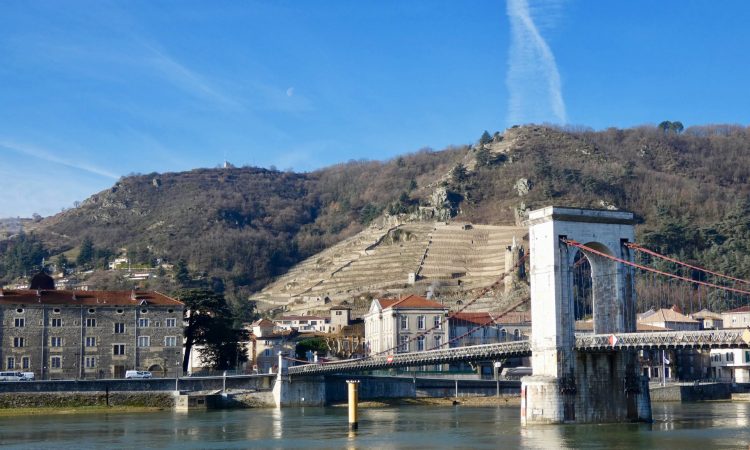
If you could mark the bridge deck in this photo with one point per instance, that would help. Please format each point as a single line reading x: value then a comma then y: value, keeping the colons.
x: 584, y: 342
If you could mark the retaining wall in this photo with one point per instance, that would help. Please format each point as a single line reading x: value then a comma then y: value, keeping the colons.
x: 691, y: 393
x: 257, y: 382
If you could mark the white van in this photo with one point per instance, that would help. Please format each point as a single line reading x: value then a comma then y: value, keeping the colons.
x: 11, y: 376
x: 28, y: 376
x: 137, y: 374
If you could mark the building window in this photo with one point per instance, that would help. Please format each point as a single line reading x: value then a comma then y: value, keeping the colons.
x: 438, y: 342
x: 119, y: 328
x: 267, y: 352
x: 25, y: 362
x: 56, y: 311
x: 90, y: 362
x: 11, y: 363
x: 143, y: 323
x: 91, y: 322
x: 19, y: 310
x: 144, y: 341
x: 170, y: 323
x: 20, y: 322
x: 404, y: 323
x: 55, y: 362
x: 730, y: 356
x: 118, y: 349
x: 90, y: 341
x: 420, y: 343
x: 56, y: 322
x: 437, y: 322
x: 55, y: 341
x: 404, y: 344
x: 18, y: 342
x: 338, y: 313
x: 421, y: 325
x: 92, y: 310
x: 120, y: 311
x: 747, y: 356
x: 516, y: 335
x: 503, y: 335
x: 170, y: 341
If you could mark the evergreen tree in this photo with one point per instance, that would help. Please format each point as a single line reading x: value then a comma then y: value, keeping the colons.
x: 208, y: 322
x: 486, y: 138
x: 86, y: 253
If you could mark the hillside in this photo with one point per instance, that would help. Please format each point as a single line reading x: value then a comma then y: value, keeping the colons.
x: 446, y: 259
x: 241, y: 228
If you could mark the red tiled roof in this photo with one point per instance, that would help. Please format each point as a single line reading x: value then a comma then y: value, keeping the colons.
x: 301, y: 318
x: 262, y: 323
x: 483, y: 318
x: 588, y: 325
x: 89, y: 298
x: 410, y: 302
x: 741, y: 309
x: 667, y: 315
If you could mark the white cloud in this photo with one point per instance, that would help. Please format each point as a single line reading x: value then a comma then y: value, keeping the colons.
x: 533, y: 79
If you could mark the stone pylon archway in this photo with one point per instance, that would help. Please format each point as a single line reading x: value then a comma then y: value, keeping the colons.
x: 568, y: 386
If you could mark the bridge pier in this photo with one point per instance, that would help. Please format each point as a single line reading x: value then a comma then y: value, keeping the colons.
x: 567, y: 385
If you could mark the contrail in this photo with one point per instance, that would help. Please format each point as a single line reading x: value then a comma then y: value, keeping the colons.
x: 533, y: 79
x: 50, y: 156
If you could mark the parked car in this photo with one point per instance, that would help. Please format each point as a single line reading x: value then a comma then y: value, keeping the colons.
x: 28, y: 376
x: 137, y: 374
x: 11, y: 376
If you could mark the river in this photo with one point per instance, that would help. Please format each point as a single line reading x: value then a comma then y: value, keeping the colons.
x: 705, y: 426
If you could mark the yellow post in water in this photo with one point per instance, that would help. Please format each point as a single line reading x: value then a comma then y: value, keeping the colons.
x: 353, y: 403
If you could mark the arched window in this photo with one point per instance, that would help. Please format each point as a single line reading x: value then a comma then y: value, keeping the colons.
x: 516, y: 335
x: 503, y: 335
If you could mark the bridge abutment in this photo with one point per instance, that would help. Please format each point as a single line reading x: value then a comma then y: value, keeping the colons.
x: 568, y: 386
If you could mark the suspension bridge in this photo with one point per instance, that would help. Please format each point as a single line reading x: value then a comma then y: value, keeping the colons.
x: 584, y: 265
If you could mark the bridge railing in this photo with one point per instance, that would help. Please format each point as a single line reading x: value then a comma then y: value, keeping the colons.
x: 442, y: 356
x: 584, y: 342
x: 664, y: 339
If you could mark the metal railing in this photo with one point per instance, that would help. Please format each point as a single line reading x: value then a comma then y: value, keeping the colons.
x: 662, y: 339
x: 488, y: 352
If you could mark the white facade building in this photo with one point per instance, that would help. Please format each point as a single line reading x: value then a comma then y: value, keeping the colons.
x: 304, y: 324
x: 737, y: 318
x: 403, y: 325
x: 731, y: 364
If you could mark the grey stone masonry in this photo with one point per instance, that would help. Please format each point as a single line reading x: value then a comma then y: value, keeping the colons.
x: 90, y: 334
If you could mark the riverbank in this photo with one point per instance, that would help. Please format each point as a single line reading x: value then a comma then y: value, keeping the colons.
x: 503, y: 400
x: 50, y: 410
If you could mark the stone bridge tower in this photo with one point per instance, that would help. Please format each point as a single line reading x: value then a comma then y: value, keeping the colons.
x: 568, y: 386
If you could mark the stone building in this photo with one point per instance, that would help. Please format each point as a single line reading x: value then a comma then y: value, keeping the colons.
x: 403, y: 325
x: 671, y: 319
x: 736, y: 318
x: 63, y: 334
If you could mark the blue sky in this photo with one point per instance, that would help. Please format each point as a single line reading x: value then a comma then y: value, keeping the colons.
x: 93, y: 90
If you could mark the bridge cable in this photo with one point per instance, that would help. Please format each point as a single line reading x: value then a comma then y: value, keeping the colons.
x: 650, y: 269
x: 637, y: 247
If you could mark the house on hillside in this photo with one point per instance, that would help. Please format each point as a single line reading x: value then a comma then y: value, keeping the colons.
x: 709, y: 320
x: 304, y: 324
x: 340, y: 317
x: 406, y: 324
x: 671, y: 319
x: 262, y: 328
x: 737, y: 318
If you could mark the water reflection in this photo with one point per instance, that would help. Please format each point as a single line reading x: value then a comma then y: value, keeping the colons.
x: 676, y: 426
